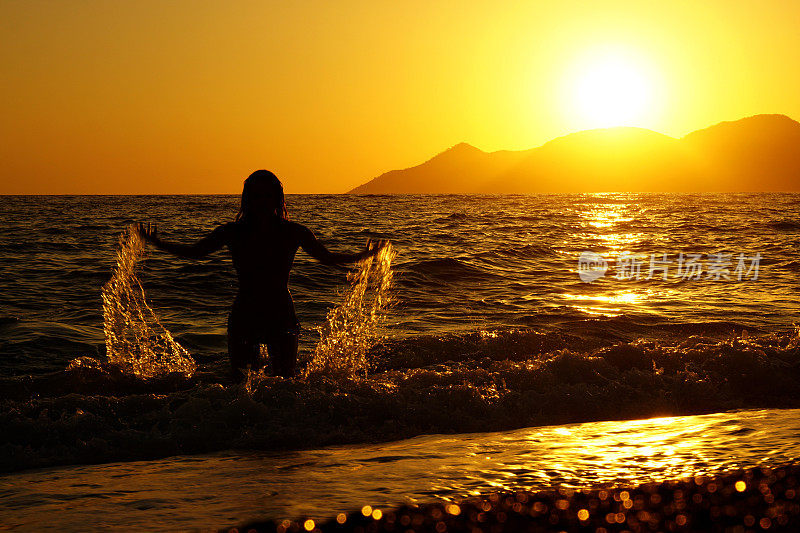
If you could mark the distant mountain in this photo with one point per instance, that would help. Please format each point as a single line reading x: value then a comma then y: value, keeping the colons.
x: 758, y: 153
x: 462, y: 168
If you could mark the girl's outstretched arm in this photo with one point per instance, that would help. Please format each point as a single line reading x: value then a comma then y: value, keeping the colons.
x: 210, y: 243
x: 313, y: 247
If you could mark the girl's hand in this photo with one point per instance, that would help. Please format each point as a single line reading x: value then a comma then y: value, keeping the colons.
x: 148, y: 232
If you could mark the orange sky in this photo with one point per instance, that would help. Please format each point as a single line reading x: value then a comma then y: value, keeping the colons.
x: 178, y: 96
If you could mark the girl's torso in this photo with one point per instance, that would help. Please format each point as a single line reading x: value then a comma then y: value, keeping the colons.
x: 263, y: 256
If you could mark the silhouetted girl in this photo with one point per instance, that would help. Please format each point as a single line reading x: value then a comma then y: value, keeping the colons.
x: 263, y: 243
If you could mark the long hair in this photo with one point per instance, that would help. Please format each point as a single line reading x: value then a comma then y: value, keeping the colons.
x: 249, y: 205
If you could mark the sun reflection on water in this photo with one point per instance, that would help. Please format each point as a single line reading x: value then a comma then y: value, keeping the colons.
x: 640, y: 450
x: 605, y: 304
x: 607, y: 223
x: 603, y: 226
x: 606, y: 227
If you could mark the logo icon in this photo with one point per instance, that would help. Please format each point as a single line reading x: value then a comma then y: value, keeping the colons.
x: 591, y: 266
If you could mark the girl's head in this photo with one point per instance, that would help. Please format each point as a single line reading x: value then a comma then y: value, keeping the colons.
x: 262, y: 194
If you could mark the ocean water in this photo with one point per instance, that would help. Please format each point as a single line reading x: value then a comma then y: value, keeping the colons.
x: 491, y: 326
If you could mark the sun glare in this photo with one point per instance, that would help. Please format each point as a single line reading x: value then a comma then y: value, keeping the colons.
x: 607, y: 91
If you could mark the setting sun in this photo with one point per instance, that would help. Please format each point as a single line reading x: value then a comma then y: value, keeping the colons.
x: 609, y: 90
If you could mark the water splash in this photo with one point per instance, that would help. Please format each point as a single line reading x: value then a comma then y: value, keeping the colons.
x: 354, y: 326
x: 135, y: 338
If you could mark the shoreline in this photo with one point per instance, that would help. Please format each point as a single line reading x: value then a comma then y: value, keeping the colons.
x: 765, y: 498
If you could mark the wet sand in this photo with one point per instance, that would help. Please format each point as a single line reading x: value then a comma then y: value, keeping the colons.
x: 753, y: 499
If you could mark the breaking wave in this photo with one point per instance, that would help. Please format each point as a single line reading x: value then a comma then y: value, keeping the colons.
x: 482, y: 381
